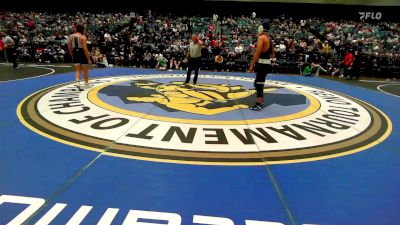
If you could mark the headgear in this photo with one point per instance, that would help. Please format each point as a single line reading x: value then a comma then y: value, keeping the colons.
x: 263, y: 28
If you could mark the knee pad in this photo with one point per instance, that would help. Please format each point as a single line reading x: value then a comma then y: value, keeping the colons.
x: 259, y: 89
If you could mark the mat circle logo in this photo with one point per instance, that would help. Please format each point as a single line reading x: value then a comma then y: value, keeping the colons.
x: 158, y: 118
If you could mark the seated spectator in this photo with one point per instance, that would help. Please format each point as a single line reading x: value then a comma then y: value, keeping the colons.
x: 326, y: 48
x: 132, y: 59
x: 239, y: 49
x: 230, y: 61
x: 184, y: 64
x: 60, y: 55
x: 375, y: 66
x: 24, y: 56
x: 147, y: 59
x: 103, y: 61
x: 95, y: 58
x: 116, y: 58
x: 303, y: 44
x: 307, y: 70
x: 251, y: 47
x: 171, y: 58
x: 214, y: 43
x: 317, y: 67
x: 161, y: 63
x: 218, y: 63
x: 178, y: 60
x: 302, y: 60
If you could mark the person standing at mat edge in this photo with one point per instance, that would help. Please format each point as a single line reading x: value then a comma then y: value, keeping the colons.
x: 77, y: 47
x: 262, y: 64
x: 9, y: 45
x: 194, y: 58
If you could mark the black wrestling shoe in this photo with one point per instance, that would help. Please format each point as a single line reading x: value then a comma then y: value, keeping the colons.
x: 79, y: 87
x: 257, y: 107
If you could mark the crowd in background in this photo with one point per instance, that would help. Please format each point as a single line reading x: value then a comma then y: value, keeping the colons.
x: 130, y: 39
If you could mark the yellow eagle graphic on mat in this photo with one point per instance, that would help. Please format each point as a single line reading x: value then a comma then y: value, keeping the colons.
x: 204, y: 99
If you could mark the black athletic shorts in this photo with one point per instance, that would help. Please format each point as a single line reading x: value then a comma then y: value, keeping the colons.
x: 78, y: 56
x: 261, y: 72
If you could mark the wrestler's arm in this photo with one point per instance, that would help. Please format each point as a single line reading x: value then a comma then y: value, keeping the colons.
x: 257, y: 53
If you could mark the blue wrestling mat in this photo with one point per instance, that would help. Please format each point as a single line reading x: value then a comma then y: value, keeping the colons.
x: 141, y: 148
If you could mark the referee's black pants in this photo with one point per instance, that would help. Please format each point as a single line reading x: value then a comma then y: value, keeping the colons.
x: 193, y: 64
x: 12, y: 56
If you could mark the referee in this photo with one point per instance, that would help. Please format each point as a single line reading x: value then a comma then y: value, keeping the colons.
x: 194, y: 58
x: 9, y: 45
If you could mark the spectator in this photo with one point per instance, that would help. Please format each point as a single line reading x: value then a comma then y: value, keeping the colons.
x: 147, y: 59
x: 46, y: 32
x: 317, y: 67
x: 326, y: 48
x: 307, y: 70
x: 161, y: 63
x: 218, y: 62
x: 239, y: 49
x: 348, y: 63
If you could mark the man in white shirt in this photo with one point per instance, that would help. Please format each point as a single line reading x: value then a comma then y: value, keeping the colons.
x: 194, y: 58
x: 239, y: 49
x: 302, y: 23
x: 215, y: 18
x: 9, y: 45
